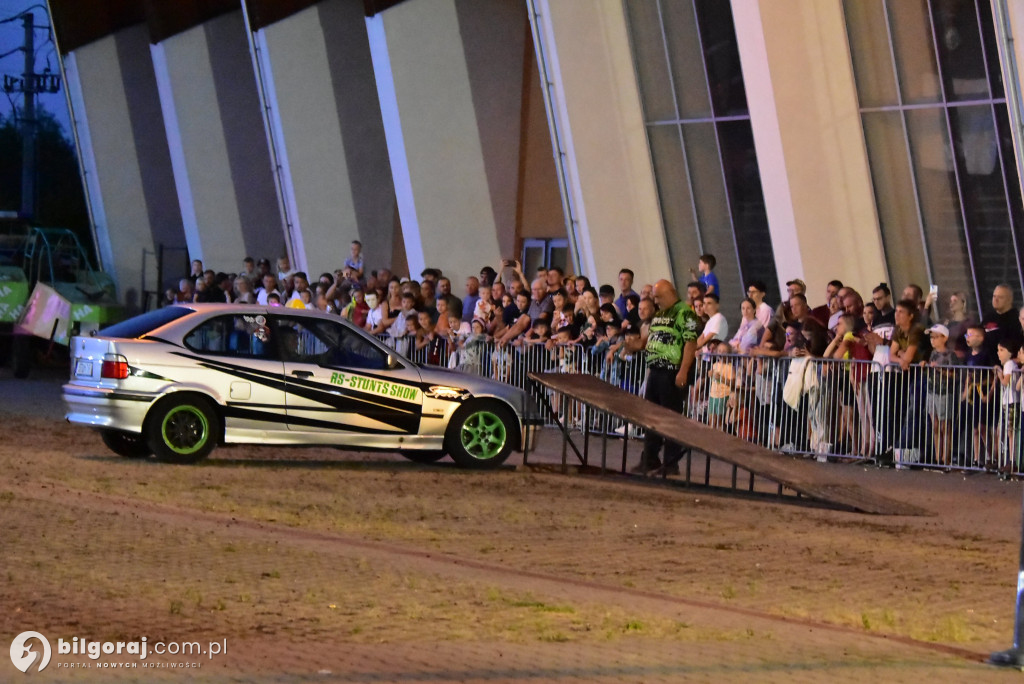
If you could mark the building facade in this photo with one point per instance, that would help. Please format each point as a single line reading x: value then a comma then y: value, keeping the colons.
x: 862, y: 140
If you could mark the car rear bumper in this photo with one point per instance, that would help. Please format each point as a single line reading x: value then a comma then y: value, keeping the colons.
x: 107, y: 407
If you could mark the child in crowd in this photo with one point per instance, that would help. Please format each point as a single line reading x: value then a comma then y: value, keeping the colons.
x: 355, y: 260
x: 273, y: 299
x: 939, y: 399
x: 723, y: 377
x: 471, y: 349
x: 429, y: 344
x: 1006, y: 377
x: 977, y: 388
x: 706, y: 266
x: 539, y: 333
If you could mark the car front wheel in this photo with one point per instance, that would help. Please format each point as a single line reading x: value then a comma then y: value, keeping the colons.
x: 182, y: 430
x: 127, y: 444
x: 481, y: 435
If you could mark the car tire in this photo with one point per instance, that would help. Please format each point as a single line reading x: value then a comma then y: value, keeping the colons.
x: 481, y: 435
x: 425, y: 457
x: 182, y: 429
x: 127, y: 444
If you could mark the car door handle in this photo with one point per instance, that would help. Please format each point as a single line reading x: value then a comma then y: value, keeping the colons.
x: 302, y: 374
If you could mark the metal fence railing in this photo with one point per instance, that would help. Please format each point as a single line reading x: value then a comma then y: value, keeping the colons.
x: 946, y: 417
x: 949, y: 417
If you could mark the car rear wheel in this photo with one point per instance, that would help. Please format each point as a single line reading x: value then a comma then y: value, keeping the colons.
x: 182, y: 430
x: 481, y: 435
x: 127, y: 444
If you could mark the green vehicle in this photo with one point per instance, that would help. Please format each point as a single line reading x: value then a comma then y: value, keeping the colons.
x: 49, y: 291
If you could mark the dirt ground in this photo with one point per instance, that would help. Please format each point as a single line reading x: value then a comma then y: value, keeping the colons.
x: 320, y: 565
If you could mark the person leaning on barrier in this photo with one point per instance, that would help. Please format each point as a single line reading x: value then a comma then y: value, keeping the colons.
x: 671, y: 351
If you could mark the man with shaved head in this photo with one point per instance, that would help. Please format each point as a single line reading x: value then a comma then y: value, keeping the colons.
x: 671, y: 349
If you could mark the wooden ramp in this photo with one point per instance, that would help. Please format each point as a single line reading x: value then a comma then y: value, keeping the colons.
x: 805, y: 478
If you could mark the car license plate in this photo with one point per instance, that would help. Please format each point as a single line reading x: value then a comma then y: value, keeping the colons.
x: 83, y: 368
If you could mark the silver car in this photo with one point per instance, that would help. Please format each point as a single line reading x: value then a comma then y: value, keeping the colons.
x: 178, y: 381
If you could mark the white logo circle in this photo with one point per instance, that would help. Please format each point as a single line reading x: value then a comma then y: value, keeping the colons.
x: 24, y: 657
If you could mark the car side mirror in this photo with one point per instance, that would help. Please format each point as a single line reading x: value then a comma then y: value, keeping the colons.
x: 393, y: 362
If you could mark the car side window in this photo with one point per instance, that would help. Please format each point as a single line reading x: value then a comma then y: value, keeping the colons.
x: 238, y: 335
x: 326, y: 343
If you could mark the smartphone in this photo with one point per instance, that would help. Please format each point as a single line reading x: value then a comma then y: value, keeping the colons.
x: 933, y: 289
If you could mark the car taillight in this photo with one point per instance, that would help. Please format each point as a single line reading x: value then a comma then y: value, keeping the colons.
x: 115, y: 366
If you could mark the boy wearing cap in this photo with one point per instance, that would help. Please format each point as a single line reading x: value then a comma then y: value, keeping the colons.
x: 939, y: 399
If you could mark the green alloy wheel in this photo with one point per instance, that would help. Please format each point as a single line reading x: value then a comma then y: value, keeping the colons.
x: 182, y: 430
x: 481, y: 435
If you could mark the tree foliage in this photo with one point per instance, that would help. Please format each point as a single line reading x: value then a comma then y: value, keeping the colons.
x: 60, y: 199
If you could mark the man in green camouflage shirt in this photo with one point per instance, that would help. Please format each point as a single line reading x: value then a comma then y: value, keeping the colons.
x: 671, y: 350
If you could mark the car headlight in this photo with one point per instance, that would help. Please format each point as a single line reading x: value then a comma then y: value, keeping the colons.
x: 446, y: 392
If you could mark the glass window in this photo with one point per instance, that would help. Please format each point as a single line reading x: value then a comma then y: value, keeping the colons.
x: 892, y: 179
x: 143, y: 324
x: 750, y: 217
x: 960, y: 52
x: 651, y: 65
x: 674, y: 193
x: 685, y: 56
x: 712, y: 211
x: 915, y: 51
x: 984, y: 196
x: 327, y: 343
x: 239, y: 335
x: 952, y: 208
x: 721, y: 57
x: 705, y: 167
x: 940, y: 205
x: 869, y: 47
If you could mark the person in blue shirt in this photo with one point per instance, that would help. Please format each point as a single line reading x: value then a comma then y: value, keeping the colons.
x: 706, y: 266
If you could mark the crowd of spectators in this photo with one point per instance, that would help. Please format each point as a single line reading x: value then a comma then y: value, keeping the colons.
x: 568, y: 317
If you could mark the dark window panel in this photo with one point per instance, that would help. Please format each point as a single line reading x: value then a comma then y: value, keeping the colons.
x: 650, y: 60
x: 984, y: 197
x: 1004, y: 136
x: 746, y: 198
x: 672, y: 176
x: 988, y: 36
x: 935, y: 174
x: 721, y: 57
x: 961, y: 56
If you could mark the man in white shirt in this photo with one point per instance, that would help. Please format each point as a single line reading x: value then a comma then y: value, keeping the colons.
x: 269, y: 285
x: 756, y: 290
x: 717, y: 328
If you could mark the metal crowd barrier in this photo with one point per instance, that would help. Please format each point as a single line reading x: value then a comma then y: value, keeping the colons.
x: 512, y: 364
x: 947, y: 417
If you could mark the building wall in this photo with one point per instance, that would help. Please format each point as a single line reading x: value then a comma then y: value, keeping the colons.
x: 330, y: 136
x: 130, y: 183
x: 810, y: 145
x: 218, y: 144
x: 612, y: 164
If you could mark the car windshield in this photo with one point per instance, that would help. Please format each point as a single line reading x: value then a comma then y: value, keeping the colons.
x: 140, y: 325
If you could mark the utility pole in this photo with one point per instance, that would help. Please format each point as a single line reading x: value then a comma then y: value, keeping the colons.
x: 28, y: 123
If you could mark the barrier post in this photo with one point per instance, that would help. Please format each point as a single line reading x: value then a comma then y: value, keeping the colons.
x: 1014, y: 657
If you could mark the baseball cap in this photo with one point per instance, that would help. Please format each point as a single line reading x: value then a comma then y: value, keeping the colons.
x: 797, y: 281
x: 939, y: 329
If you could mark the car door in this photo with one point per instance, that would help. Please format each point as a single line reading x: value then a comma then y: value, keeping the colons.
x: 337, y: 379
x: 234, y: 356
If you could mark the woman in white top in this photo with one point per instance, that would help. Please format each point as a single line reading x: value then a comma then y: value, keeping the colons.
x: 749, y: 333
